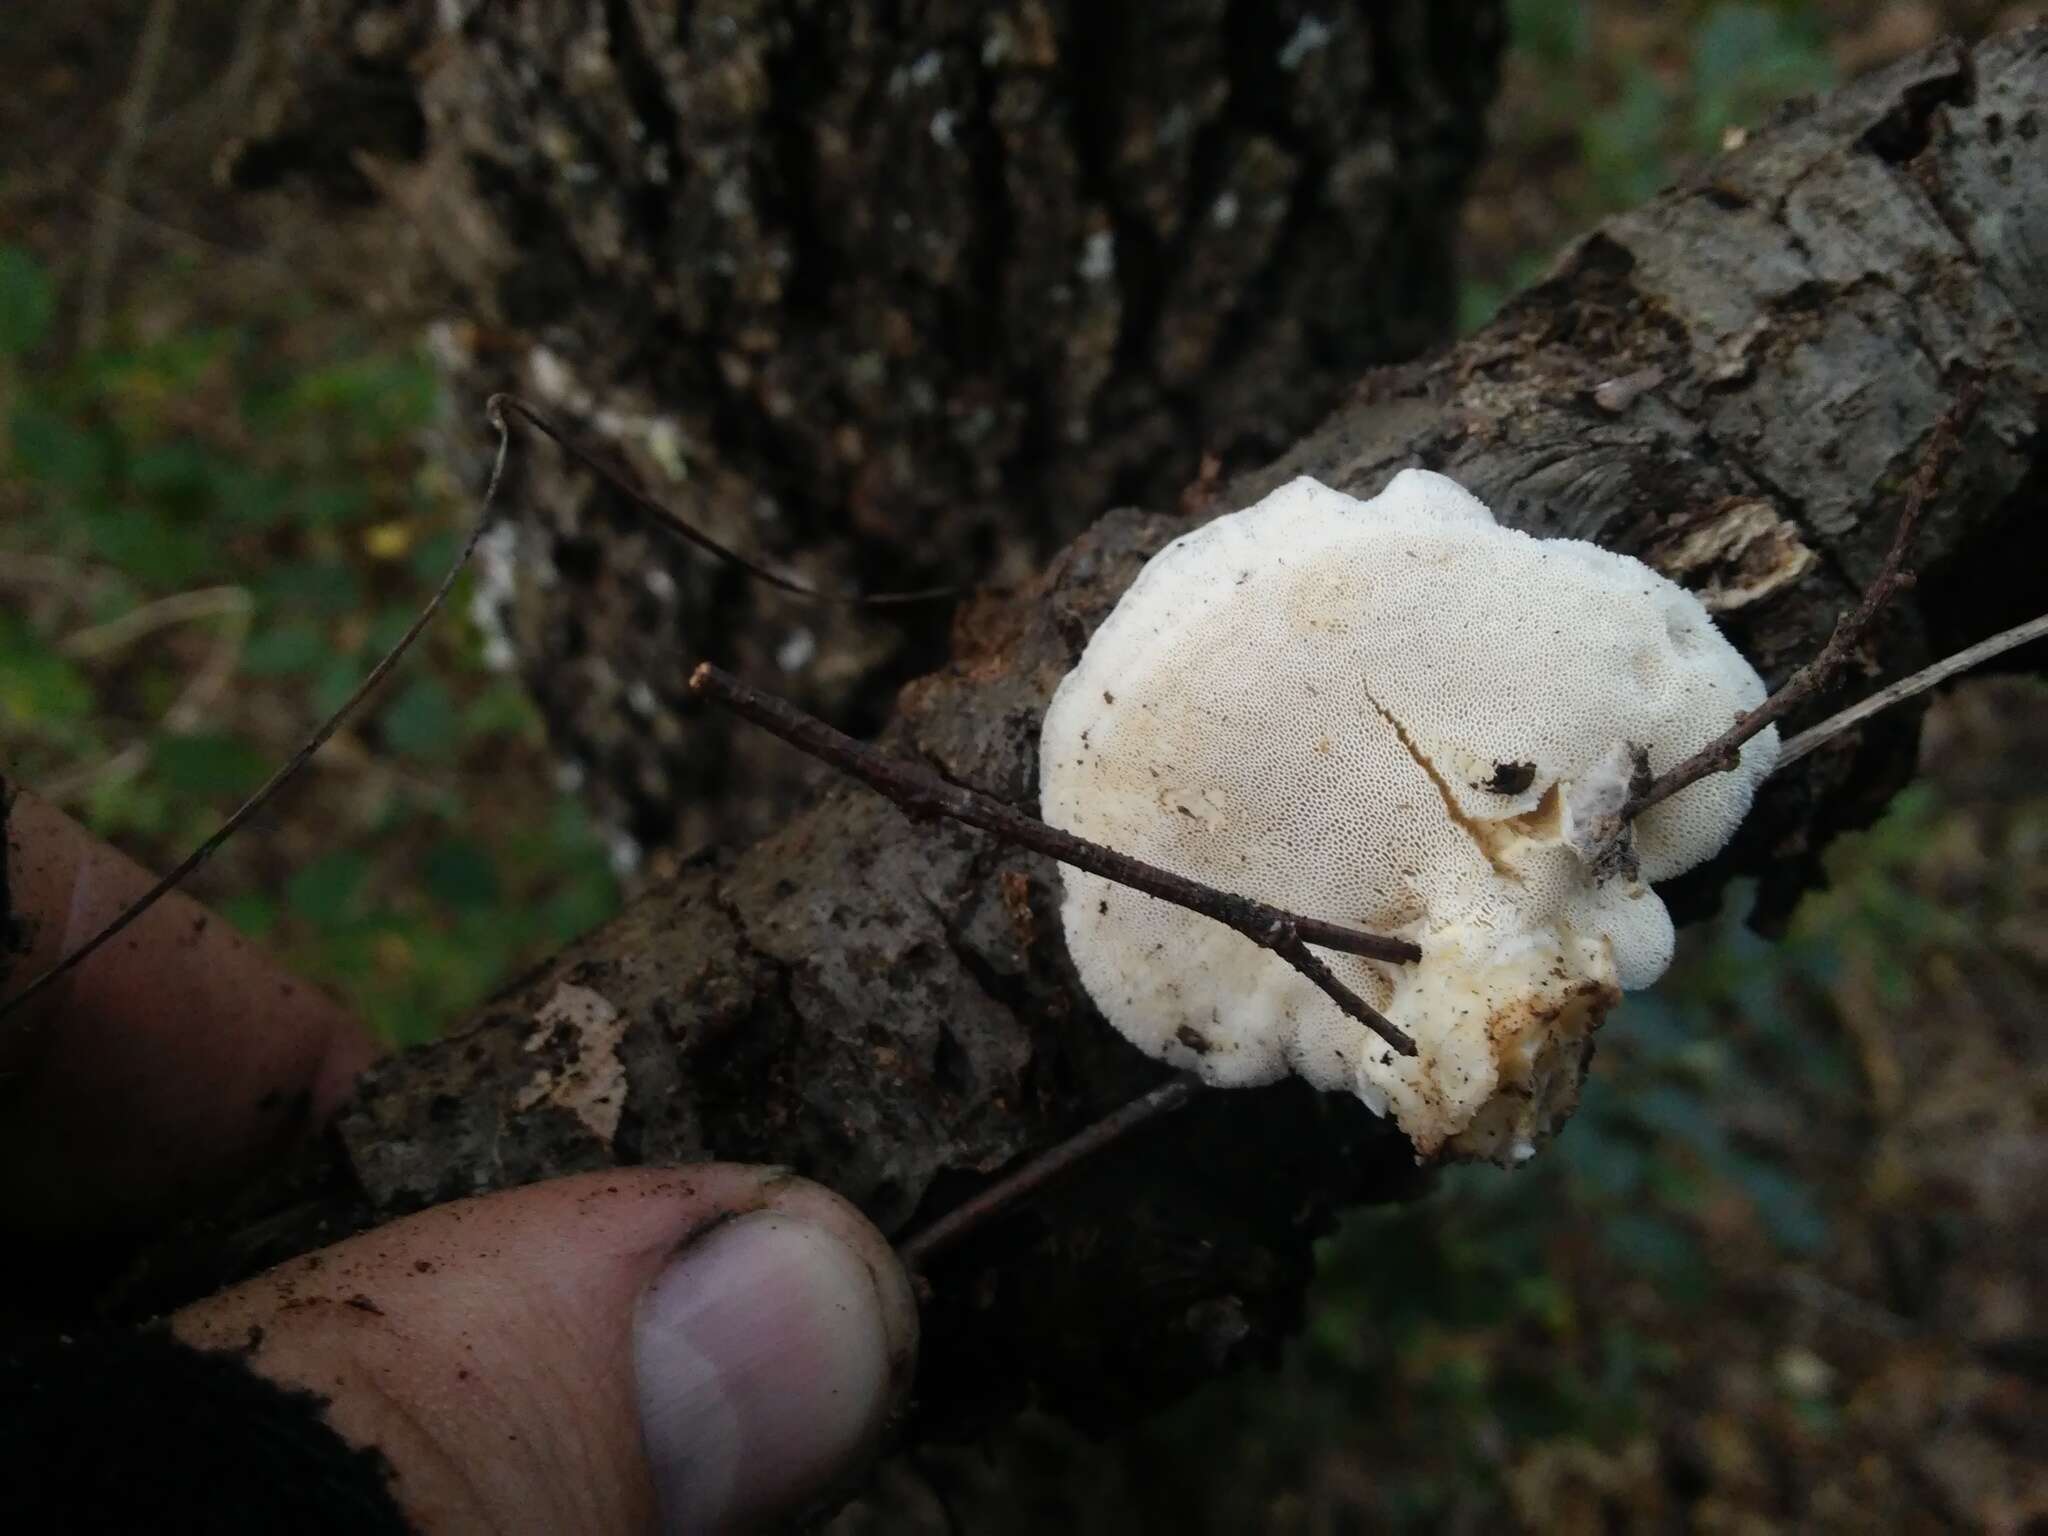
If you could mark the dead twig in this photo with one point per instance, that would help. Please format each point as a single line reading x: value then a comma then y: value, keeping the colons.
x: 1039, y: 1171
x: 622, y: 482
x: 160, y: 613
x: 1821, y: 673
x: 1906, y: 687
x: 921, y: 792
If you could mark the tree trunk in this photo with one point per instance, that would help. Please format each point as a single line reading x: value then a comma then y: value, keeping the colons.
x: 1733, y: 381
x: 895, y: 295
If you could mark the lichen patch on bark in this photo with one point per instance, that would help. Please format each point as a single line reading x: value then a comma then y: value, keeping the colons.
x: 580, y: 1034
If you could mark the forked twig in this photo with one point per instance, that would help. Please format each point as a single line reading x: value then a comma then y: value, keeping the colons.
x: 1821, y: 673
x: 1906, y: 687
x: 921, y: 792
x: 1040, y: 1170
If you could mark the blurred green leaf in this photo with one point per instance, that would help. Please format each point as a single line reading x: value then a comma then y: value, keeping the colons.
x: 570, y: 831
x: 1478, y: 303
x: 330, y: 506
x: 289, y: 649
x: 503, y: 709
x: 38, y: 686
x: 28, y: 301
x: 155, y: 550
x: 175, y: 363
x: 461, y: 875
x: 315, y: 586
x: 179, y: 473
x: 431, y: 557
x: 251, y: 911
x: 1787, y: 1207
x: 382, y: 396
x: 1650, y: 1028
x: 118, y: 807
x: 583, y: 901
x: 420, y: 722
x: 1818, y: 1415
x: 1675, y: 1185
x: 1683, y: 1115
x: 336, y: 679
x: 1660, y: 1249
x: 1610, y: 1165
x: 1556, y: 33
x: 1894, y: 979
x: 250, y: 497
x: 1623, y: 144
x: 51, y: 448
x: 1541, y: 1298
x: 390, y: 627
x: 208, y: 764
x: 1541, y: 1405
x: 1745, y: 60
x: 328, y: 891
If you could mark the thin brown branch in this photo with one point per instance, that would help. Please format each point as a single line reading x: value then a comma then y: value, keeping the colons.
x: 622, y: 482
x: 1039, y: 1171
x: 1906, y: 687
x: 921, y: 792
x: 1821, y: 673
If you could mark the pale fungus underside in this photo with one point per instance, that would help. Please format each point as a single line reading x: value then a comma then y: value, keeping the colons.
x: 1398, y: 715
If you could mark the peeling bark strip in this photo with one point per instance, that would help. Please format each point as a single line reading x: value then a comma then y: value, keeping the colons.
x: 887, y: 1007
x: 898, y: 295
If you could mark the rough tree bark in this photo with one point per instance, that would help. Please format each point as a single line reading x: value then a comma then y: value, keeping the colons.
x: 1733, y: 381
x: 900, y: 294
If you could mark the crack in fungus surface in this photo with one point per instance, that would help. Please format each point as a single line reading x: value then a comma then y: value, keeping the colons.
x: 1485, y: 838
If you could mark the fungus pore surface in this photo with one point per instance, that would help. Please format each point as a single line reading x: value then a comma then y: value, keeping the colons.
x: 1377, y: 712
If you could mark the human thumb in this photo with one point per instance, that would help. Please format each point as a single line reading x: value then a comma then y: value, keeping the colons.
x: 694, y: 1349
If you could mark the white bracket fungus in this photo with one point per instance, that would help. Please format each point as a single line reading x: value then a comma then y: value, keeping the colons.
x: 1398, y: 715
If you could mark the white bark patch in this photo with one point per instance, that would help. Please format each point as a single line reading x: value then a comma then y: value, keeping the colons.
x: 1746, y: 552
x: 590, y: 1083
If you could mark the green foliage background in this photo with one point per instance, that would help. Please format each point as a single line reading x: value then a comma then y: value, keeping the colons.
x: 188, y: 503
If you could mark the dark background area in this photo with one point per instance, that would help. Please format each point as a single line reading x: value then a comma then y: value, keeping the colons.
x: 1783, y: 1271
